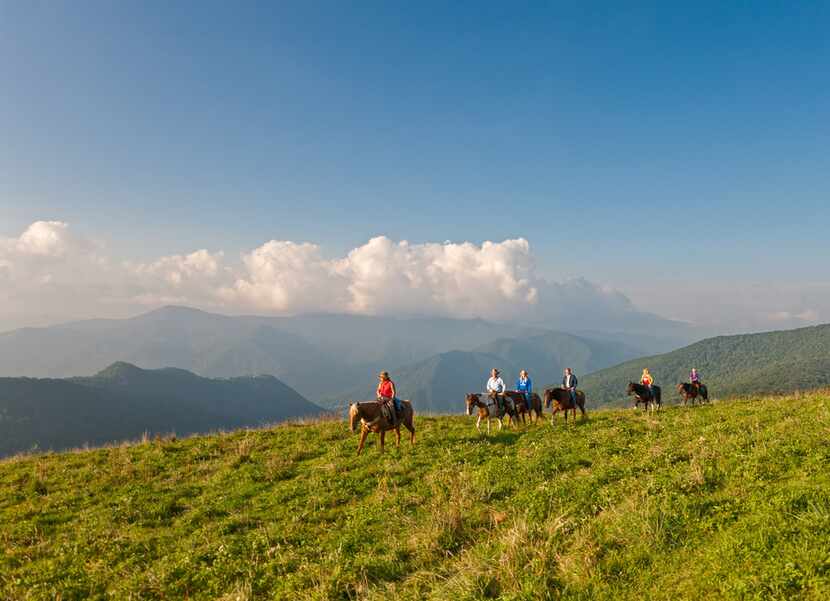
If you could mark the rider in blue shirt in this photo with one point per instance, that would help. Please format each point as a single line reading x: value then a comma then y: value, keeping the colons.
x: 525, y: 386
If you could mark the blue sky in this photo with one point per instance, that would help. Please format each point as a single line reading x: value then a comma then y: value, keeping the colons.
x: 633, y: 145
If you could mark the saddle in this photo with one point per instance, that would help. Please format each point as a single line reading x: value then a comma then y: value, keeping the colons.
x: 502, y: 402
x: 387, y: 410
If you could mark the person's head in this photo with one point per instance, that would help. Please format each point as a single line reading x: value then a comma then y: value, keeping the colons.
x: 694, y: 371
x: 523, y: 374
x: 645, y: 370
x: 494, y: 372
x: 568, y: 371
x: 384, y: 375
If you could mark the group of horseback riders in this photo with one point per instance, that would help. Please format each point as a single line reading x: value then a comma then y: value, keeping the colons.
x: 496, y: 389
x: 390, y: 413
x: 497, y: 392
x: 648, y: 392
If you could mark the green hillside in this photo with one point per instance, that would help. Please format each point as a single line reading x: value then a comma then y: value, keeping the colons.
x: 729, y: 501
x: 770, y: 362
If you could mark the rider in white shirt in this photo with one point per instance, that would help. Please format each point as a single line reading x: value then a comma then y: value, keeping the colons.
x: 495, y: 386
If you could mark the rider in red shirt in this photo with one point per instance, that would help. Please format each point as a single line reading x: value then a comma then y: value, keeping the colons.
x: 386, y: 391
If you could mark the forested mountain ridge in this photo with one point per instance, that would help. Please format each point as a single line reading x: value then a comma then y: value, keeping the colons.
x: 745, y: 364
x: 124, y: 402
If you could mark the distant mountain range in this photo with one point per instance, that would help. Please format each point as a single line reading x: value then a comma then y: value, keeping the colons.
x: 321, y: 356
x: 124, y: 401
x: 438, y: 384
x: 769, y: 362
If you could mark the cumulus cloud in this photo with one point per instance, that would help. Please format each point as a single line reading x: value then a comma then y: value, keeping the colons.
x: 385, y: 277
x: 48, y: 273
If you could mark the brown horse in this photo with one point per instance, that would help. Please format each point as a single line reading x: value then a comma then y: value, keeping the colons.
x: 560, y: 398
x: 488, y: 410
x: 690, y: 392
x: 524, y: 409
x: 373, y: 419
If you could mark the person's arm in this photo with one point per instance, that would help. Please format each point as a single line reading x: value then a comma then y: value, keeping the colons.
x: 377, y: 392
x: 394, y: 390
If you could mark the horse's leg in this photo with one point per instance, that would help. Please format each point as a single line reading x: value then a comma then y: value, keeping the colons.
x: 478, y: 423
x: 363, y: 434
x: 382, y: 439
x: 398, y: 436
x: 410, y: 425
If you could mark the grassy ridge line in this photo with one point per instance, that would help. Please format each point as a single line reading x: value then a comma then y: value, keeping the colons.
x: 730, y: 500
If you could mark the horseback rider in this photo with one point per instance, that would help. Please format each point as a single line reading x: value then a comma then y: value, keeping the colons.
x: 569, y: 383
x: 525, y: 386
x: 495, y: 389
x: 694, y: 378
x: 387, y: 393
x: 648, y: 381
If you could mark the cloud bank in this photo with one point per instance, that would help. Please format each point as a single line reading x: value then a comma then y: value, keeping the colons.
x: 49, y: 274
x: 48, y: 271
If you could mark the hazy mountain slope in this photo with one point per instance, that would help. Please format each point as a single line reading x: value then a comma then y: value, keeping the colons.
x: 439, y: 383
x: 124, y: 401
x: 769, y: 362
x: 319, y: 355
x: 545, y: 356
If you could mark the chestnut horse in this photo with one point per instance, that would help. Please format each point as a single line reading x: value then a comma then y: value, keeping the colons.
x: 372, y: 419
x: 560, y: 398
x: 487, y: 410
x: 690, y: 392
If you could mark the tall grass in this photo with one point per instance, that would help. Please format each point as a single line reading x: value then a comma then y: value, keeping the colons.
x: 724, y: 501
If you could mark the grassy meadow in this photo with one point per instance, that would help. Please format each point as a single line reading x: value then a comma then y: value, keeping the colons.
x: 730, y: 500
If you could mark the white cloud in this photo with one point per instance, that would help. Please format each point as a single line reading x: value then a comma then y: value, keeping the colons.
x: 384, y: 277
x: 48, y: 273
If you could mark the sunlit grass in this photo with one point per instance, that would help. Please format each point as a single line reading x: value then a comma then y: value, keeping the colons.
x: 730, y: 500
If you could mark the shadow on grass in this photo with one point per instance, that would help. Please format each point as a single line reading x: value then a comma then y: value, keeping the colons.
x: 501, y: 438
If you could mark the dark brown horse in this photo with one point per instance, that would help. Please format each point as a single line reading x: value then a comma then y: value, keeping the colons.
x: 488, y: 410
x: 372, y: 419
x: 690, y: 392
x: 642, y: 395
x: 526, y: 410
x: 560, y: 399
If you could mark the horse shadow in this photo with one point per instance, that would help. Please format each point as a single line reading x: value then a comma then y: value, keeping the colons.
x: 502, y: 439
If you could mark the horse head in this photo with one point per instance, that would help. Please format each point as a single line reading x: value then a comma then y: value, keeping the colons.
x: 354, y: 411
x: 681, y: 388
x: 632, y: 388
x: 548, y: 397
x: 472, y: 399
